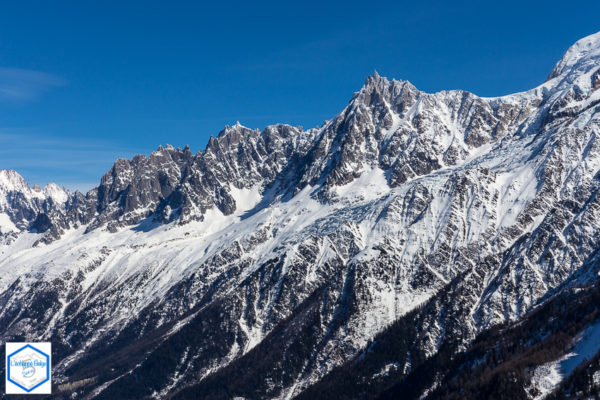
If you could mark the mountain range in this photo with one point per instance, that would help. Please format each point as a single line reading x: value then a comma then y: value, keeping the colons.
x: 416, y: 245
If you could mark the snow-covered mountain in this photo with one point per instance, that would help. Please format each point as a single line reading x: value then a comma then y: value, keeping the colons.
x: 265, y: 263
x: 21, y: 204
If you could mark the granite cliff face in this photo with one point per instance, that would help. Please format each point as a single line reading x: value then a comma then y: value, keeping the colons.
x: 274, y: 257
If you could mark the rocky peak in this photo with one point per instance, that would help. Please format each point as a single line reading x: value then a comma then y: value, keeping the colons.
x: 236, y: 129
x: 375, y: 81
x: 379, y: 91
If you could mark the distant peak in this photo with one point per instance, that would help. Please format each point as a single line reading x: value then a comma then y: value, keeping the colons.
x: 167, y: 147
x: 580, y: 57
x: 11, y: 179
x: 9, y: 173
x: 55, y: 187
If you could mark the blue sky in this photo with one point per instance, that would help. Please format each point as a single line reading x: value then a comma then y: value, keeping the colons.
x: 83, y: 83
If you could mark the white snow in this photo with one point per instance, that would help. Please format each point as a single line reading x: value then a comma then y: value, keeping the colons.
x: 56, y: 193
x: 11, y: 182
x: 370, y: 185
x: 585, y: 49
x: 6, y: 225
x: 245, y: 199
x: 385, y: 370
x: 586, y: 346
x: 519, y: 187
x: 548, y: 376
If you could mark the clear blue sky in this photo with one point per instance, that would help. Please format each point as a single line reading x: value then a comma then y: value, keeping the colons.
x: 83, y: 83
